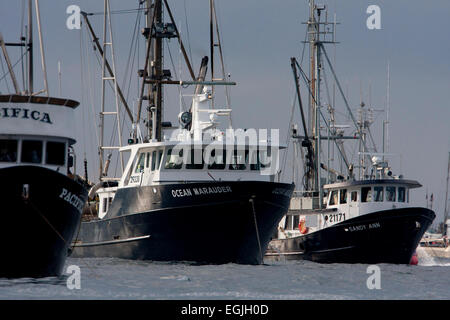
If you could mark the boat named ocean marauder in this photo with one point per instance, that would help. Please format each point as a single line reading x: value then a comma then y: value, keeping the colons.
x: 200, y: 191
x: 198, y: 194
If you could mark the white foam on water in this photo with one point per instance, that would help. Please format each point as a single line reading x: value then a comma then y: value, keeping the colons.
x: 428, y: 261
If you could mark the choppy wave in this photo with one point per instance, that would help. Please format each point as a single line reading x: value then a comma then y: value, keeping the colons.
x: 123, y: 279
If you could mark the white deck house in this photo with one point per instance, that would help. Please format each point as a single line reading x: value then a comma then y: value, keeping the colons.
x: 346, y: 200
x: 36, y: 131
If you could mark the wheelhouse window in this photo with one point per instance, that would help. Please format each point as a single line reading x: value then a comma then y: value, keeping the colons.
x: 217, y: 159
x: 158, y: 163
x: 105, y: 205
x: 343, y: 196
x: 140, y: 164
x: 354, y: 196
x: 174, y: 160
x: 295, y: 222
x: 153, y: 160
x: 31, y: 151
x: 390, y: 194
x: 366, y: 194
x: 255, y: 163
x: 265, y: 157
x: 333, y: 198
x: 378, y: 194
x: 292, y: 222
x: 147, y: 163
x: 55, y: 153
x: 238, y: 160
x: 8, y: 150
x: 196, y: 159
x: 401, y: 194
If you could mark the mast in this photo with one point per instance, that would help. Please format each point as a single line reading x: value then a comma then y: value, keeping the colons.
x: 211, y: 44
x: 147, y: 70
x: 153, y: 72
x: 386, y: 122
x: 41, y: 46
x: 156, y: 65
x: 314, y: 99
x: 446, y: 198
x: 30, y: 47
x: 312, y: 38
x: 105, y: 111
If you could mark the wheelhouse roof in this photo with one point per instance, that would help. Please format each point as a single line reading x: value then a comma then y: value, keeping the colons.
x: 171, y: 143
x: 355, y: 183
x: 39, y: 100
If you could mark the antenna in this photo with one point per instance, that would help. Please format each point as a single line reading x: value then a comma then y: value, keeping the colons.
x: 446, y: 199
x: 30, y: 47
x: 41, y: 46
x: 386, y: 122
x: 59, y: 78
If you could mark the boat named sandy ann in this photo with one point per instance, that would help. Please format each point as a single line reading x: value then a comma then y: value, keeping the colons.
x: 364, y: 221
x: 42, y: 200
x: 198, y: 194
x: 340, y: 216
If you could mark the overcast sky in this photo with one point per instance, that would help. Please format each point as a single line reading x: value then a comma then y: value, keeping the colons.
x: 259, y: 37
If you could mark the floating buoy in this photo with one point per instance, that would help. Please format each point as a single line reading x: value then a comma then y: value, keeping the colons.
x: 302, y: 227
x: 414, y: 259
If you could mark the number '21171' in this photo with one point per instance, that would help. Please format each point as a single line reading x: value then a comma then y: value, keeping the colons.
x: 335, y: 217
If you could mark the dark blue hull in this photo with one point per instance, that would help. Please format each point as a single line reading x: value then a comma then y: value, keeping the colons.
x: 210, y: 222
x: 389, y: 236
x: 39, y: 220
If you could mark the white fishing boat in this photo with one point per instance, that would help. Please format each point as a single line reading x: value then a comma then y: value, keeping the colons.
x: 360, y: 213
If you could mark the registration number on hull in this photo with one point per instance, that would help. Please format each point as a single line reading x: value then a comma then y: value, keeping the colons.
x: 334, y: 217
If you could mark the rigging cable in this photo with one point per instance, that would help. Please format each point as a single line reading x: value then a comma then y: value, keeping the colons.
x: 175, y: 72
x: 15, y: 64
x: 288, y: 136
x: 22, y: 37
x: 82, y: 94
x: 188, y: 35
x: 91, y: 90
x: 6, y: 81
x: 129, y: 66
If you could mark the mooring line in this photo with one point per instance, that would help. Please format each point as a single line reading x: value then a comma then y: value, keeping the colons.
x: 256, y: 227
x: 59, y: 235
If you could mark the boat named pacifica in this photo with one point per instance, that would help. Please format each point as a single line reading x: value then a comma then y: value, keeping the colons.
x: 15, y: 112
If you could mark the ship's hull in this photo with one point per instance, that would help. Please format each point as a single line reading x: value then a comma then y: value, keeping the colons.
x: 389, y: 236
x: 211, y: 222
x: 40, y: 210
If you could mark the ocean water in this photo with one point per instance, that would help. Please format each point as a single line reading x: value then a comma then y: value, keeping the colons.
x: 105, y: 278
